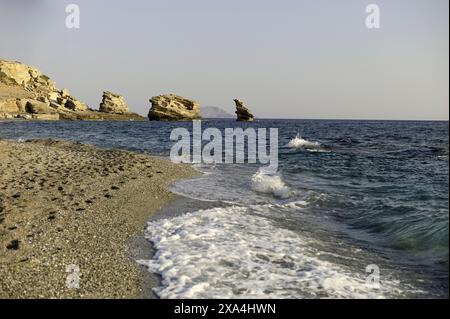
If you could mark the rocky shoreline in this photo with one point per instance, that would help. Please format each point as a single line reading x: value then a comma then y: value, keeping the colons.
x: 26, y: 93
x: 64, y: 203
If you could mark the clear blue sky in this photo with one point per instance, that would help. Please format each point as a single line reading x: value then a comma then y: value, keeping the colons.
x: 284, y: 58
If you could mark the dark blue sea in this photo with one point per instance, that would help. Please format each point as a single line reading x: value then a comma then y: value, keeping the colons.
x: 357, y: 209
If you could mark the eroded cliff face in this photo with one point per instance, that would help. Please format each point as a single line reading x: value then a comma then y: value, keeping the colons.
x: 31, y: 79
x: 171, y: 107
x: 28, y: 94
x: 242, y: 112
x: 113, y: 103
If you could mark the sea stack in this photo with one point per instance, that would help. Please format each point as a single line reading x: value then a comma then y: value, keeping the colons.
x: 113, y: 103
x: 171, y: 107
x: 242, y: 112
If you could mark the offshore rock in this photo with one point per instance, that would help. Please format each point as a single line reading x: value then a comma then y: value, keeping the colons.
x: 242, y: 112
x: 113, y: 103
x: 171, y: 107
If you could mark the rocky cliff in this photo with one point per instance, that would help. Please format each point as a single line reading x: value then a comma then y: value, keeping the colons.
x: 242, y: 112
x: 172, y: 107
x: 26, y: 93
x: 113, y: 103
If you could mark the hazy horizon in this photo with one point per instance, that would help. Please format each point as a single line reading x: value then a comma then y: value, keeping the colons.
x: 285, y: 59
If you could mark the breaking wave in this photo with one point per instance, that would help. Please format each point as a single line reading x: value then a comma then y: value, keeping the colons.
x: 234, y: 252
x: 300, y: 143
x: 270, y: 184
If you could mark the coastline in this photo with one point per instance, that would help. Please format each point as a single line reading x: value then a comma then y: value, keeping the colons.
x: 65, y: 203
x: 143, y: 248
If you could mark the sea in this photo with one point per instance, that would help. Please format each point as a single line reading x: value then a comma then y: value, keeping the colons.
x: 357, y: 209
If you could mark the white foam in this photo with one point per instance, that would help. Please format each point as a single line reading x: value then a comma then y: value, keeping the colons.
x: 233, y: 184
x: 270, y: 184
x: 300, y: 143
x: 234, y: 252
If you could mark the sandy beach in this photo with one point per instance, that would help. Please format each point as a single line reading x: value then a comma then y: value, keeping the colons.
x: 64, y: 203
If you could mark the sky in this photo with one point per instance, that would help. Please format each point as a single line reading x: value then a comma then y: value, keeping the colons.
x: 311, y: 59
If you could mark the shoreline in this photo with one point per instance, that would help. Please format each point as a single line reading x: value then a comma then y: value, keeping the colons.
x: 144, y: 249
x: 64, y: 203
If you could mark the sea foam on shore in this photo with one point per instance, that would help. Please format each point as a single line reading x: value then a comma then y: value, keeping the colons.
x: 234, y: 252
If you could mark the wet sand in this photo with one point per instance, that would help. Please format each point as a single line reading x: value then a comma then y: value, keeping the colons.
x: 63, y: 204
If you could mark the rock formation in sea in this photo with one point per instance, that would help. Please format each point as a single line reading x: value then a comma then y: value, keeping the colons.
x: 26, y: 93
x: 242, y: 112
x: 113, y: 103
x: 172, y: 107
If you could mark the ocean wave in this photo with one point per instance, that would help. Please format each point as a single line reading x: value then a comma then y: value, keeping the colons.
x: 299, y: 143
x: 233, y: 184
x: 270, y: 184
x: 233, y: 253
